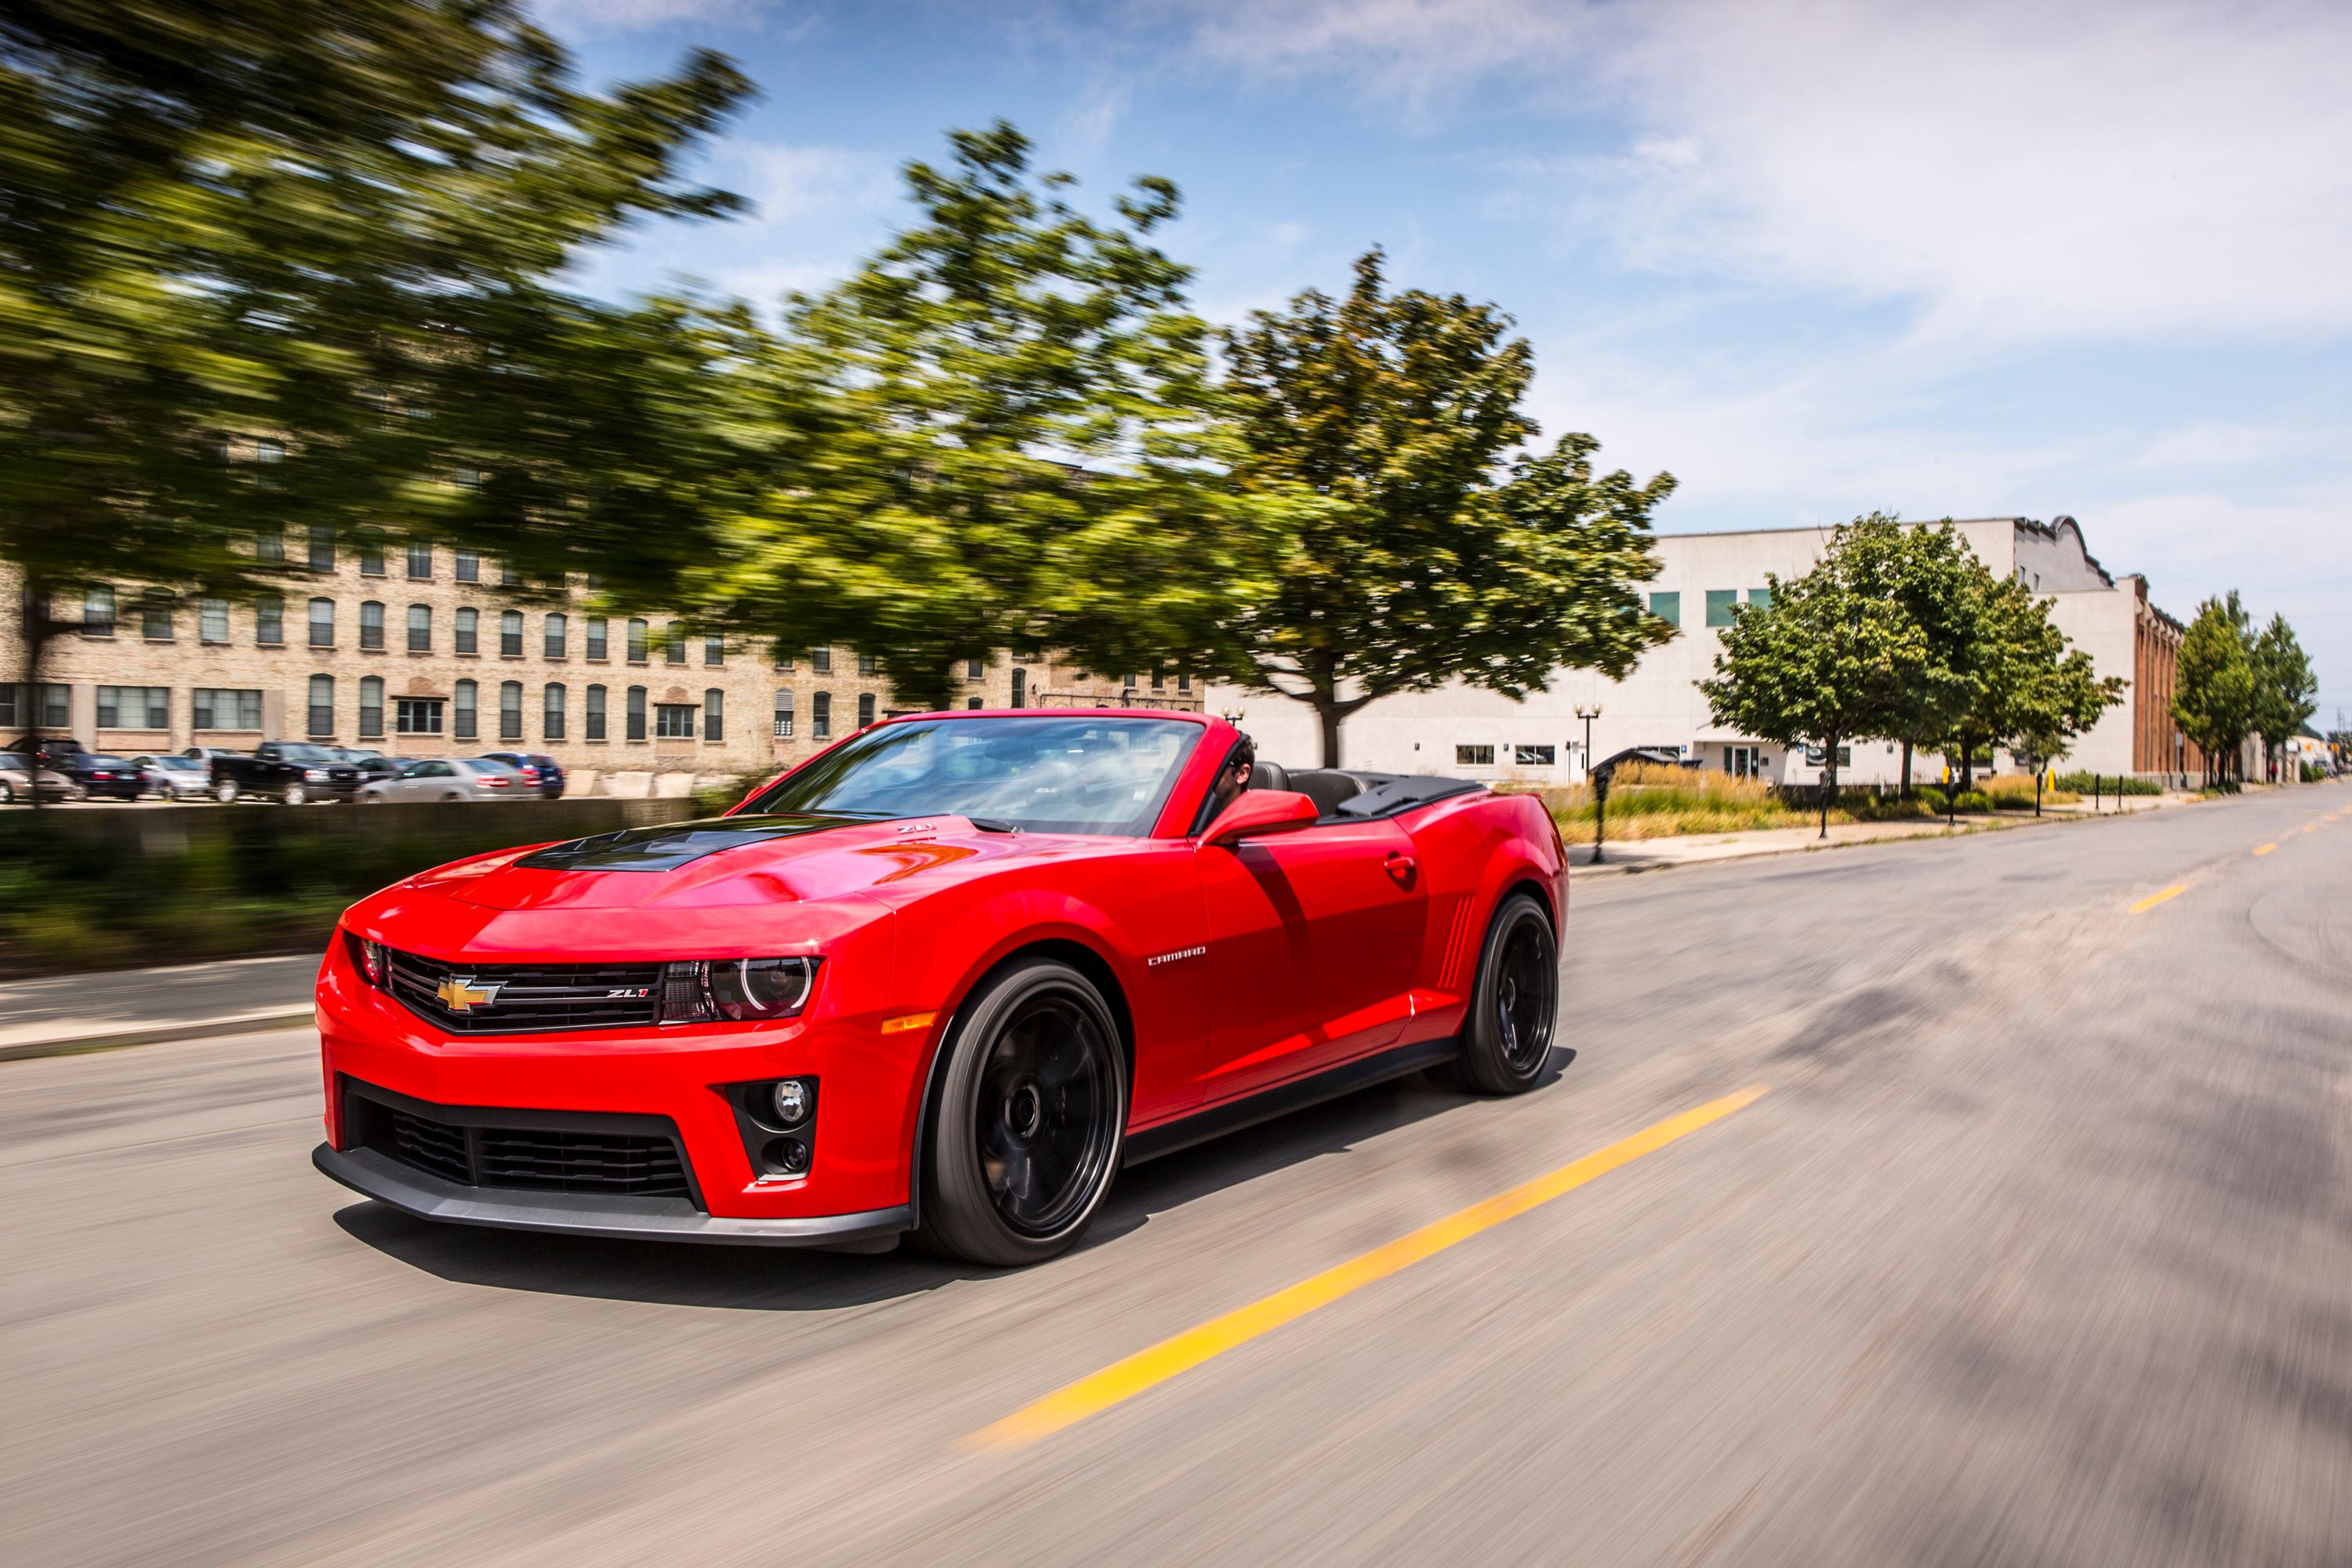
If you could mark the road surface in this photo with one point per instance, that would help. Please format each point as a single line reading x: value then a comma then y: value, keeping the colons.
x: 2037, y: 1249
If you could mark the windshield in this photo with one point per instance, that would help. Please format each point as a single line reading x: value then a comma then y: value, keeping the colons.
x: 1046, y: 775
x: 307, y: 754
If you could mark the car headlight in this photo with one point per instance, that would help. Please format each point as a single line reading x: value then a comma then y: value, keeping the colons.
x: 314, y: 775
x: 741, y: 990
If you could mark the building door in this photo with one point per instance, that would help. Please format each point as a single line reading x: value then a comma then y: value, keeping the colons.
x: 1744, y: 761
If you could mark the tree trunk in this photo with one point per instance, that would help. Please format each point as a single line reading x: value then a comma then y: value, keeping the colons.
x: 1328, y: 715
x: 1968, y: 762
x: 1829, y: 780
x: 33, y: 610
x: 1905, y: 790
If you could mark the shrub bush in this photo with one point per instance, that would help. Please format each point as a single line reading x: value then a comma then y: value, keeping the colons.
x: 2313, y: 773
x: 2109, y: 783
x: 1974, y: 800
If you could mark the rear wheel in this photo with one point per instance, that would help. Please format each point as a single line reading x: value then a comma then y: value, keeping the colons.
x: 225, y: 792
x: 1030, y: 1121
x: 7, y: 793
x: 294, y: 795
x: 1506, y: 1039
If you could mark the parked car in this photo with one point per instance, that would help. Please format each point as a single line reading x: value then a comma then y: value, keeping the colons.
x: 94, y: 775
x: 205, y: 754
x: 16, y: 777
x: 950, y: 979
x: 292, y: 770
x: 174, y: 778
x: 446, y: 779
x: 539, y: 771
x: 44, y: 748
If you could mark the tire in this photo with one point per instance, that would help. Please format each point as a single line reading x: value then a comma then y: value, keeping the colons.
x: 1515, y: 1008
x: 446, y: 798
x: 225, y: 792
x: 7, y: 793
x: 294, y: 794
x: 1032, y: 1096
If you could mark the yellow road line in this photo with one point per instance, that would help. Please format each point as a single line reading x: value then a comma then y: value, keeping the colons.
x: 2153, y: 899
x: 1149, y: 1368
x: 2265, y: 848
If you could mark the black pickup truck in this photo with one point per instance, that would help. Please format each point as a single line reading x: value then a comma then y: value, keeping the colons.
x: 290, y: 770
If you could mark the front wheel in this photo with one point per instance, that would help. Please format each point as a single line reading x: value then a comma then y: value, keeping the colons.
x: 1507, y: 1038
x: 1030, y: 1117
x: 294, y: 795
x: 225, y: 792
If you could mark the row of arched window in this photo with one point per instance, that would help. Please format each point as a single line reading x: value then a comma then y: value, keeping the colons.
x: 641, y: 719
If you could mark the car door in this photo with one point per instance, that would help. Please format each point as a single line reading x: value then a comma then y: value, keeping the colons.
x: 1314, y: 937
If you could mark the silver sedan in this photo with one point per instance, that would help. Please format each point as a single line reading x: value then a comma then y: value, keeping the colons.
x: 15, y: 778
x: 445, y: 779
x: 176, y: 778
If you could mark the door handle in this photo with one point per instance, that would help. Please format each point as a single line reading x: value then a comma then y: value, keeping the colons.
x: 1399, y: 867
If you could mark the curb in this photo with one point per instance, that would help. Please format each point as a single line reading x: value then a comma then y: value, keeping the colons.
x: 162, y: 1034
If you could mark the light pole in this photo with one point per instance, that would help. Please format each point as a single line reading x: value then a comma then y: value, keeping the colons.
x: 1599, y: 780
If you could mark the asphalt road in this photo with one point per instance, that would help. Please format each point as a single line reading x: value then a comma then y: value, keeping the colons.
x: 2038, y: 1250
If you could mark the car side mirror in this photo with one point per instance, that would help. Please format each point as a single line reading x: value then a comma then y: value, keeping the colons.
x: 1257, y: 812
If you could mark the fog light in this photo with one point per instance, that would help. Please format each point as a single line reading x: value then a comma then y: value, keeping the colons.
x: 793, y: 1156
x: 792, y: 1102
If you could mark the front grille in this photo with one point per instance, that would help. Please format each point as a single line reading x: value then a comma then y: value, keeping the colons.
x: 526, y: 998
x: 587, y: 1156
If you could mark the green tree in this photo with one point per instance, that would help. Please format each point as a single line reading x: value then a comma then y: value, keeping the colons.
x: 999, y: 433
x: 2026, y: 690
x: 1377, y: 430
x: 2213, y: 690
x: 2286, y: 690
x: 1836, y: 657
x: 283, y: 264
x: 1939, y: 583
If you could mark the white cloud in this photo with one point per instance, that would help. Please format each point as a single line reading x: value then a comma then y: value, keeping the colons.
x: 788, y: 182
x: 2021, y: 170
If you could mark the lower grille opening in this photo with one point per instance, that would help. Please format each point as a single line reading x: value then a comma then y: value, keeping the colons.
x: 601, y: 1153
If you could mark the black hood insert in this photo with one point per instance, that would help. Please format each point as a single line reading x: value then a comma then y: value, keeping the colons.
x: 676, y: 843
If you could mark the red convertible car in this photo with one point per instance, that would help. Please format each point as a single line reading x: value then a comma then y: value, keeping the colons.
x: 945, y: 977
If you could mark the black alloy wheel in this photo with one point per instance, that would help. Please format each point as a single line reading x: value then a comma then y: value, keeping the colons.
x: 1031, y: 1111
x: 1506, y: 1039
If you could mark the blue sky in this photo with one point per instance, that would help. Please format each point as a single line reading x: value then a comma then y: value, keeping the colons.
x: 1812, y: 258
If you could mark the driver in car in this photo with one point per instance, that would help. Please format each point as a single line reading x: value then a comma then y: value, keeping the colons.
x: 1233, y: 777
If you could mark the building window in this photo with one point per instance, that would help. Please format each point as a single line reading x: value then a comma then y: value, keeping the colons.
x: 270, y: 544
x: 1718, y: 605
x: 212, y: 620
x: 1815, y: 757
x: 416, y: 715
x: 783, y: 715
x: 714, y: 713
x: 714, y: 651
x: 98, y: 613
x: 322, y: 548
x: 510, y: 711
x: 1158, y: 680
x: 467, y: 719
x: 269, y: 621
x: 322, y: 623
x: 672, y: 644
x: 559, y: 636
x: 420, y: 563
x: 821, y: 716
x: 974, y: 669
x: 820, y: 660
x: 372, y: 626
x: 323, y: 705
x: 470, y: 630
x: 420, y: 628
x: 1020, y: 687
x: 673, y: 721
x: 469, y: 566
x: 1759, y: 598
x: 595, y: 627
x: 551, y: 718
x: 155, y: 615
x: 592, y: 726
x: 637, y: 643
x: 1533, y: 757
x: 783, y: 661
x: 371, y: 708
x: 865, y: 708
x: 371, y: 560
x: 634, y: 715
x: 1183, y: 680
x: 1667, y: 607
x: 134, y: 707
x: 9, y: 715
x: 1474, y: 756
x: 212, y: 708
x: 57, y: 705
x: 972, y: 702
x: 510, y: 634
x: 507, y: 576
x: 866, y: 664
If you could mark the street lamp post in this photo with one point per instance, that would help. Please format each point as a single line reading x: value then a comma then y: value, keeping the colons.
x: 1599, y: 780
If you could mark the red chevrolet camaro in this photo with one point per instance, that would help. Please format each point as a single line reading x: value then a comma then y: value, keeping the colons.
x: 946, y: 977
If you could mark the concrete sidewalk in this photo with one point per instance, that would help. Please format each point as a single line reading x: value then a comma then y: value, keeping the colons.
x: 65, y: 1013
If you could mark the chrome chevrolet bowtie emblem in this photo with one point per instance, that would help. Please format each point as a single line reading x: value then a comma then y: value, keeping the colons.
x: 462, y: 995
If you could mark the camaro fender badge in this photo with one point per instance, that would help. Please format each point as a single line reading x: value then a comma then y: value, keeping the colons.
x: 460, y: 994
x: 1182, y: 952
x: 914, y: 827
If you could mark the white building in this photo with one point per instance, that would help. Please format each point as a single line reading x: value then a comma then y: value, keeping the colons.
x: 1461, y: 731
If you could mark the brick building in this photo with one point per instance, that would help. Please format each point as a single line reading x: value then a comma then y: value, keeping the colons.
x: 423, y: 651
